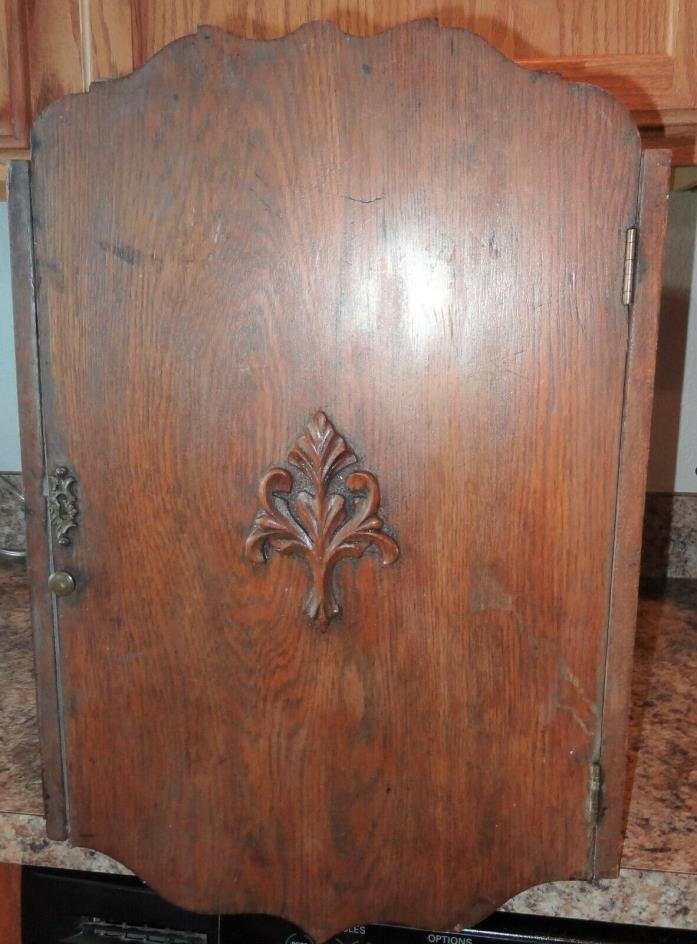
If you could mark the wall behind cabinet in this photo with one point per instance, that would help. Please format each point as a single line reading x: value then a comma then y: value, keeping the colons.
x: 673, y: 457
x: 9, y: 420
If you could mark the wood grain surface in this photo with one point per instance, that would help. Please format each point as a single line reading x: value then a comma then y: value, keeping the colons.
x: 10, y: 904
x: 57, y: 62
x: 425, y: 242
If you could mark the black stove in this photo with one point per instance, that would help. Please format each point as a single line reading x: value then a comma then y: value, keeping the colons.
x: 64, y: 907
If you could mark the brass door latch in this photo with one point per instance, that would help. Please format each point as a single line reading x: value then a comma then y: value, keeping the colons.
x: 61, y: 583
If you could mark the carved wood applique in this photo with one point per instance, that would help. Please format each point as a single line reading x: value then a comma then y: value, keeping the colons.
x: 332, y: 519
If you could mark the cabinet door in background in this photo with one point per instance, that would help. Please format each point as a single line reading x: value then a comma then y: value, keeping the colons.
x: 645, y: 53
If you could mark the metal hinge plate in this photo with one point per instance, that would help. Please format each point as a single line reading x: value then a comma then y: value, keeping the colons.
x: 94, y: 928
x: 629, y: 266
x: 594, y: 794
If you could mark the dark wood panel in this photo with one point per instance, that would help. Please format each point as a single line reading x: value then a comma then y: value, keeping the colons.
x: 425, y: 242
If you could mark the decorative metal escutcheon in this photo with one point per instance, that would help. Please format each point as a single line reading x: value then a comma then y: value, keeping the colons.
x: 63, y: 507
x: 319, y: 514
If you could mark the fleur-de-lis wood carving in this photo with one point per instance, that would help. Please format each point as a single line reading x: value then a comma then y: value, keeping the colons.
x: 332, y: 519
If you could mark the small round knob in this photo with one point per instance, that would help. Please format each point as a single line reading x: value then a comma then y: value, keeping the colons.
x: 61, y: 583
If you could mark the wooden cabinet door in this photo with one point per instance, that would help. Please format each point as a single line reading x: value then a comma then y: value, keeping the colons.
x: 345, y: 424
x: 14, y: 105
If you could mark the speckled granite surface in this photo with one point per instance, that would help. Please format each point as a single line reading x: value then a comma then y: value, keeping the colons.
x: 20, y: 770
x: 663, y: 770
x: 669, y: 546
x: 11, y: 511
x: 23, y: 840
x: 663, y: 899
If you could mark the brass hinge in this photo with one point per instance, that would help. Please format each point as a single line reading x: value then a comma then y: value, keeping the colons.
x: 594, y: 794
x: 629, y: 266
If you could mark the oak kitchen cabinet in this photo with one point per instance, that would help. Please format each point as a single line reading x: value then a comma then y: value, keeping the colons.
x: 14, y: 78
x: 334, y: 444
x: 644, y: 53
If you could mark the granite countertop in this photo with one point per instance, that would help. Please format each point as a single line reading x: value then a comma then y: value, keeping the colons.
x: 658, y: 881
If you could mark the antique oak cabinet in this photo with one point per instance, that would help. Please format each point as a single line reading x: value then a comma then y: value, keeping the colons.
x: 336, y: 360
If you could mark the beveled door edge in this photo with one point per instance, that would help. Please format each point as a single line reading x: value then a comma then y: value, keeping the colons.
x: 33, y: 475
x: 654, y: 181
